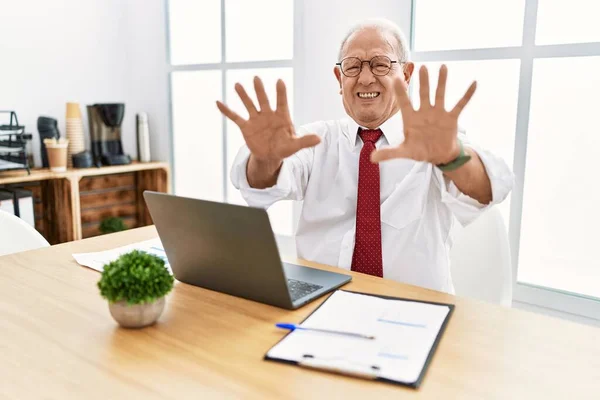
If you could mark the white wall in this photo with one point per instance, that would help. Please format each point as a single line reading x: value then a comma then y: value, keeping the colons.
x: 148, y: 67
x: 325, y: 24
x: 91, y: 51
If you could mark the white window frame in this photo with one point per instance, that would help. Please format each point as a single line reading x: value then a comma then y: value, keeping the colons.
x: 225, y: 66
x: 523, y: 292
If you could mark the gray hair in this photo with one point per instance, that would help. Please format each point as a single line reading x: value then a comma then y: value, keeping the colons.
x: 386, y: 27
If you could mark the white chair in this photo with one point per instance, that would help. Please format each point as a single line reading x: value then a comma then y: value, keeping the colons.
x: 17, y: 235
x: 286, y: 245
x: 480, y: 259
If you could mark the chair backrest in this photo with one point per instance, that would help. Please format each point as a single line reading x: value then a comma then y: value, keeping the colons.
x: 17, y: 235
x: 480, y: 259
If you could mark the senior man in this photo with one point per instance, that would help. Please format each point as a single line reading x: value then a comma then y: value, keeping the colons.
x: 390, y: 219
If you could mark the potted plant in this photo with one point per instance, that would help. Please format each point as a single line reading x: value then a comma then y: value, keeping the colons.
x: 111, y: 225
x: 135, y: 286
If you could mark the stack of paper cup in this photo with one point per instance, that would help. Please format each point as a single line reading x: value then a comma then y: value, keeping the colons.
x: 74, y: 131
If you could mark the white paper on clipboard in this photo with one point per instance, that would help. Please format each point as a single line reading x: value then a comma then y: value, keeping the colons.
x: 405, y: 332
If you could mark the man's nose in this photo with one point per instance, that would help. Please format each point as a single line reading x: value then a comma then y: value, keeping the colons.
x: 366, y: 77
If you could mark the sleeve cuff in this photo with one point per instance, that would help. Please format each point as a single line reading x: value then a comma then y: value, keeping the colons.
x: 466, y: 208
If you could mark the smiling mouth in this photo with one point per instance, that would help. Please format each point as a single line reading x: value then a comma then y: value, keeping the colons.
x: 367, y: 95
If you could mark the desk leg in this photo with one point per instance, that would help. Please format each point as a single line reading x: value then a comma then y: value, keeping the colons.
x: 75, y: 207
x: 167, y: 179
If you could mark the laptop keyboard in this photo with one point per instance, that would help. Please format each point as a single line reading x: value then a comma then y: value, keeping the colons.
x: 300, y: 289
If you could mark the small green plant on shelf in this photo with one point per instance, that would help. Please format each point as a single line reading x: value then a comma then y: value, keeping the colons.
x: 135, y: 286
x: 111, y: 225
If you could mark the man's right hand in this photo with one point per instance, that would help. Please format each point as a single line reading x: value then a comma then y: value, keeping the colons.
x: 269, y: 134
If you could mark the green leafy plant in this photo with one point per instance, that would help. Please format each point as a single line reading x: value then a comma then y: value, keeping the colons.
x: 112, y: 224
x: 136, y: 277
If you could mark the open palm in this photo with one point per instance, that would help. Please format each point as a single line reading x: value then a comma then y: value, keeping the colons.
x: 430, y: 133
x: 269, y: 134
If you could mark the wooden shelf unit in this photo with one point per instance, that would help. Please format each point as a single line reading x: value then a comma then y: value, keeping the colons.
x: 70, y: 205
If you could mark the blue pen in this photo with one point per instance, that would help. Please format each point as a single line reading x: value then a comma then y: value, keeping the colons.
x: 293, y: 327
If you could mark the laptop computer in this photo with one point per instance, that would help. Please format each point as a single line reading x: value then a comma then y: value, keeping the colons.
x: 232, y: 249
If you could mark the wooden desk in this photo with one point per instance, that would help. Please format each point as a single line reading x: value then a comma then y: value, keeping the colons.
x: 57, y: 340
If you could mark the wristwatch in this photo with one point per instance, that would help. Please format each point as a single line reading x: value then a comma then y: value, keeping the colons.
x: 458, y: 161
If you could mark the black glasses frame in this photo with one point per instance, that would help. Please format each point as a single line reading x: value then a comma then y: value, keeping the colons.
x: 392, y: 62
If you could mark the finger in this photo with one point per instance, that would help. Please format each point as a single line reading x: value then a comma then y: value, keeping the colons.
x: 282, y: 102
x: 239, y: 121
x: 245, y: 99
x: 424, y: 87
x: 305, y: 141
x: 389, y: 153
x: 402, y: 95
x: 465, y: 100
x: 302, y: 142
x: 261, y: 95
x: 440, y: 93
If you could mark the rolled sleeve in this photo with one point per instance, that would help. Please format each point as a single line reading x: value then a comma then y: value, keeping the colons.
x: 467, y: 209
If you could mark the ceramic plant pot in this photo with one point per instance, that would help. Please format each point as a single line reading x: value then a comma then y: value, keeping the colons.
x: 137, y: 315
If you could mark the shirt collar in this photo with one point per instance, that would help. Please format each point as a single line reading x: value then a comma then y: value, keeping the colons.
x: 393, y: 130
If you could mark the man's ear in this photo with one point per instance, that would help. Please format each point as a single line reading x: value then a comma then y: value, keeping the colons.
x: 338, y: 76
x: 408, y: 71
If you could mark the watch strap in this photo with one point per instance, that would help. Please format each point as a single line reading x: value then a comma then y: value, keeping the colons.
x: 458, y: 162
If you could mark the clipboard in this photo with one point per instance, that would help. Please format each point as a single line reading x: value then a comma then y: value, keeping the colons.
x: 366, y: 370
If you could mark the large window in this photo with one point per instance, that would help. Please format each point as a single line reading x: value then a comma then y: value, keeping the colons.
x: 214, y: 44
x: 536, y: 63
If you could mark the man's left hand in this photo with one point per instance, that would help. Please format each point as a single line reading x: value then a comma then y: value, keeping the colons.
x: 430, y: 133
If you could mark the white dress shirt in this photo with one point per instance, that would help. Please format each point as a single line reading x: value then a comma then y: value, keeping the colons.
x: 417, y: 202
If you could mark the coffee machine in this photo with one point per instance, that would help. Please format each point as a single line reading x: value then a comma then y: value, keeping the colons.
x: 105, y: 131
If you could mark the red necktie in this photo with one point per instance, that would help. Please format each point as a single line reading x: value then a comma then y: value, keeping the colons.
x: 367, y: 256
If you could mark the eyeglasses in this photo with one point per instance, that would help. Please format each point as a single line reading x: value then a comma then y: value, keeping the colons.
x: 352, y: 66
